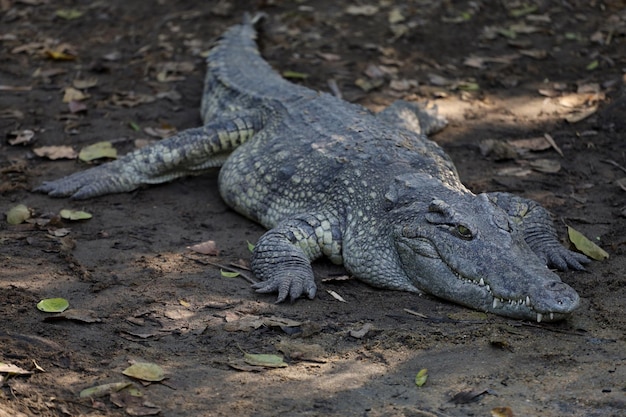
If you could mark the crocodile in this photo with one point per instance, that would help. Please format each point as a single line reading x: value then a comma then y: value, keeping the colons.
x: 369, y: 191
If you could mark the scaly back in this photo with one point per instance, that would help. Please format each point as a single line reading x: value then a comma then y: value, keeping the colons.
x: 239, y: 78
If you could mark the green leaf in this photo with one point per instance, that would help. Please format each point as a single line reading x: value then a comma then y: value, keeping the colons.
x: 585, y: 245
x: 229, y: 274
x: 69, y: 14
x: 421, y: 377
x: 295, y: 75
x: 145, y: 371
x: 523, y: 11
x: 74, y: 214
x: 18, y: 214
x: 592, y: 65
x: 53, y: 305
x: 250, y: 246
x: 104, y: 389
x: 134, y: 126
x: 96, y: 151
x: 263, y: 359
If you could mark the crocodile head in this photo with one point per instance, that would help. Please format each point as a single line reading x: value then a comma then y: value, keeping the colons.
x: 461, y: 247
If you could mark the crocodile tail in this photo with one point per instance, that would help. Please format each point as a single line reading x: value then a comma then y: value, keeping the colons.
x: 238, y: 77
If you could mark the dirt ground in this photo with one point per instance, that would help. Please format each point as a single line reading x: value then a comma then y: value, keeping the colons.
x: 499, y: 71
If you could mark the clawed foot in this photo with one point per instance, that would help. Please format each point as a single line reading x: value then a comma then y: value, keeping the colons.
x: 556, y: 256
x: 100, y: 180
x: 289, y: 284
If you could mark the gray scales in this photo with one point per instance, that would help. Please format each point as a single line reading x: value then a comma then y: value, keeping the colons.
x: 368, y: 191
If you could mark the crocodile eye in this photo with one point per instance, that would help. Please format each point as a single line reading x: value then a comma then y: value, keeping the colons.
x: 464, y: 232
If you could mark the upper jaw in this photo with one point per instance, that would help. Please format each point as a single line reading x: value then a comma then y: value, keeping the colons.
x: 540, y: 305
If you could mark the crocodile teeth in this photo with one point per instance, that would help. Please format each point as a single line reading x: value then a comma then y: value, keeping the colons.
x: 539, y: 317
x: 488, y: 288
x: 481, y: 282
x: 551, y: 316
x: 527, y: 300
x: 496, y: 303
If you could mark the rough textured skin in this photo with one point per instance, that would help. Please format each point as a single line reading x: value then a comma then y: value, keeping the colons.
x: 329, y: 178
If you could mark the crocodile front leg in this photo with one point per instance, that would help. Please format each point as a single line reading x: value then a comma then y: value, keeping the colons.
x: 190, y: 152
x: 282, y: 257
x: 538, y: 230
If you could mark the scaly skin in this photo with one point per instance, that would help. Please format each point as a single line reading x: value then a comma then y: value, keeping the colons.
x: 371, y: 192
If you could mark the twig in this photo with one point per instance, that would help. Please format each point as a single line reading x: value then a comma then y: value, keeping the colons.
x: 227, y: 268
x: 553, y: 144
x: 615, y: 164
x: 415, y: 313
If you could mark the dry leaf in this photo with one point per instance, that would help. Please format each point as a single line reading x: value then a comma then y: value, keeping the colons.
x: 21, y: 137
x: 86, y: 83
x: 360, y: 334
x: 55, y: 152
x: 365, y: 10
x: 206, y: 248
x: 585, y: 245
x: 72, y: 94
x: 581, y: 115
x: 336, y: 296
x: 530, y: 144
x: 547, y: 166
x: 266, y: 360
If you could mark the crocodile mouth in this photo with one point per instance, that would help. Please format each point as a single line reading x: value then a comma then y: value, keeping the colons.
x: 511, y: 307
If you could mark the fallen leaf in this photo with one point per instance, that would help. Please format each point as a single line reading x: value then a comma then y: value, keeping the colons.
x: 585, y: 245
x: 145, y: 371
x: 547, y: 166
x: 395, y: 16
x: 336, y: 296
x: 104, y: 389
x: 295, y: 75
x: 76, y: 314
x: 160, y: 132
x: 530, y: 144
x: 72, y: 94
x: 59, y: 55
x: 534, y: 53
x: 466, y: 397
x: 421, y: 377
x: 97, y: 150
x: 131, y: 99
x: 301, y: 351
x: 364, y: 10
x: 9, y: 368
x: 18, y: 214
x: 360, y: 334
x: 581, y: 115
x: 53, y: 305
x: 75, y: 214
x: 264, y: 359
x: 523, y: 11
x: 85, y: 84
x: 55, y: 152
x: 69, y: 14
x: 229, y: 274
x: 502, y: 412
x: 76, y: 107
x: 206, y: 248
x: 21, y: 137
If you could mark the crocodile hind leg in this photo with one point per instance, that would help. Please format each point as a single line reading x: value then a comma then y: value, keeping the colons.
x: 282, y: 257
x: 538, y: 230
x: 190, y: 152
